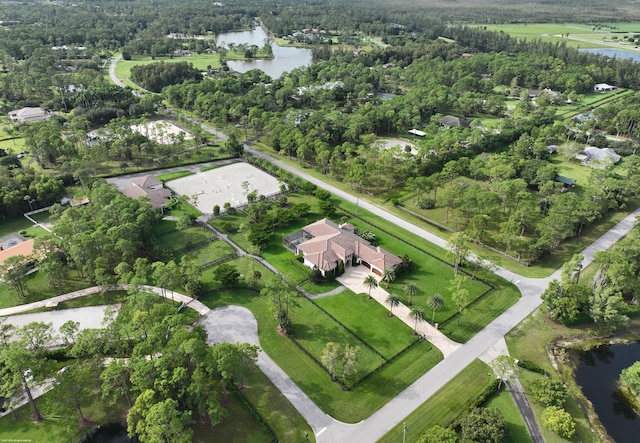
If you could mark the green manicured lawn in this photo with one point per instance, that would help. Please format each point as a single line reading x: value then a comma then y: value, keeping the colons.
x: 208, y: 252
x: 39, y: 289
x: 320, y: 288
x: 516, y: 429
x: 14, y: 146
x: 236, y: 427
x: 279, y: 413
x: 482, y: 312
x: 179, y: 208
x: 445, y: 405
x: 244, y: 265
x: 21, y: 224
x: 187, y: 238
x: 369, y: 320
x: 173, y: 175
x: 349, y: 406
x: 313, y: 329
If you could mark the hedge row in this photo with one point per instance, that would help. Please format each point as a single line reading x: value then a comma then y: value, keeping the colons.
x: 255, y: 415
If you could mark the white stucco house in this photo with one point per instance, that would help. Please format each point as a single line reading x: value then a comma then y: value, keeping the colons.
x: 26, y: 115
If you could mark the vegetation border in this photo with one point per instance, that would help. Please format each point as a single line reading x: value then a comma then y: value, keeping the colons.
x: 253, y: 413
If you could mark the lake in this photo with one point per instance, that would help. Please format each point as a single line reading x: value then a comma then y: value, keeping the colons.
x: 612, y: 52
x: 284, y: 58
x: 597, y: 374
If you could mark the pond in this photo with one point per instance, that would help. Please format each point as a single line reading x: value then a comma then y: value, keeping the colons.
x: 612, y: 52
x: 284, y: 58
x: 110, y: 433
x: 597, y: 374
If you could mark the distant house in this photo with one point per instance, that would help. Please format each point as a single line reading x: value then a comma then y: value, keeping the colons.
x: 324, y: 244
x: 449, y: 121
x: 552, y: 149
x: 603, y: 87
x: 358, y: 52
x: 15, y: 244
x: 535, y: 93
x: 149, y: 187
x: 26, y: 115
x: 417, y: 132
x: 467, y: 55
x: 592, y: 156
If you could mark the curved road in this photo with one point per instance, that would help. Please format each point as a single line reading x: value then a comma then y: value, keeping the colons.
x: 377, y: 425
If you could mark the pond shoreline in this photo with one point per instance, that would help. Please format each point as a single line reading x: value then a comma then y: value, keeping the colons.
x: 564, y: 357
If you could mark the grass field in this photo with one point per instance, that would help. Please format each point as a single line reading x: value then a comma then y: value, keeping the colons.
x: 349, y: 406
x: 199, y: 61
x: 369, y: 320
x: 445, y: 405
x: 187, y: 238
x: 576, y: 35
x: 173, y: 175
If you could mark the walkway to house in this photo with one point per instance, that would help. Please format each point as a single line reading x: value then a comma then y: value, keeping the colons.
x: 353, y: 279
x: 335, y: 291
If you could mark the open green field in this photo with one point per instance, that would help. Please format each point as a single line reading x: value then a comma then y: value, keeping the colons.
x: 577, y: 35
x: 349, y: 406
x: 13, y: 146
x: 369, y: 319
x: 199, y: 61
x: 208, y: 252
x: 185, y: 239
x: 445, y: 405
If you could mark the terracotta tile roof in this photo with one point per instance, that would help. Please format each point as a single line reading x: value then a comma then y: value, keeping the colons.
x: 330, y: 243
x: 150, y: 187
x: 25, y: 248
x: 148, y: 181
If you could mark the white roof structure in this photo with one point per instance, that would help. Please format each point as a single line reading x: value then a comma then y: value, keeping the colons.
x: 29, y: 115
x: 417, y: 132
x: 600, y: 87
x: 596, y: 154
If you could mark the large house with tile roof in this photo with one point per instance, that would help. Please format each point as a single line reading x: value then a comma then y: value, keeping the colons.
x: 324, y: 244
x: 147, y: 186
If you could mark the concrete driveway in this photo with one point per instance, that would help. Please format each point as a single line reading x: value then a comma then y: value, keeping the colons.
x: 353, y: 279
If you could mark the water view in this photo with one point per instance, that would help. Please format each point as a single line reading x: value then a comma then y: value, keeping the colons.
x: 284, y: 58
x: 597, y: 374
x: 612, y: 52
x: 111, y: 433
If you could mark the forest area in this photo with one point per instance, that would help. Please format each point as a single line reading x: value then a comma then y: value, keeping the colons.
x: 414, y: 105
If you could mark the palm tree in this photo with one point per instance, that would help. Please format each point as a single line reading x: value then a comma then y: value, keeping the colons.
x: 417, y: 313
x: 411, y: 289
x: 388, y: 275
x: 370, y: 282
x: 393, y: 301
x: 435, y: 303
